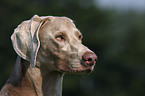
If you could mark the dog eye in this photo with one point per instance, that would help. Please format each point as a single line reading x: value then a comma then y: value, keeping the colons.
x: 60, y: 37
x: 80, y: 37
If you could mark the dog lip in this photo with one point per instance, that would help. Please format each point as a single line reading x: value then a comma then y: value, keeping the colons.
x: 75, y: 65
x: 86, y: 65
x: 79, y: 71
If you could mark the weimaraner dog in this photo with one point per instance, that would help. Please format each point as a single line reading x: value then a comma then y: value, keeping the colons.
x: 47, y: 48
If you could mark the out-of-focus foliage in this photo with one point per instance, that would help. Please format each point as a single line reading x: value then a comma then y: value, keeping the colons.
x: 117, y: 38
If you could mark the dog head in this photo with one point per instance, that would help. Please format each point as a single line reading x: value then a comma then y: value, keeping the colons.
x: 53, y: 42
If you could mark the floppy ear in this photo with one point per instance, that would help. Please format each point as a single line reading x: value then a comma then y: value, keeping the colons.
x: 25, y: 39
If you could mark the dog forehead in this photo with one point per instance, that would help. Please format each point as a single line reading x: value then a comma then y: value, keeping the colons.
x: 59, y: 24
x: 63, y: 22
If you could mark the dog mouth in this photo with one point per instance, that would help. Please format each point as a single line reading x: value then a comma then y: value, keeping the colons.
x: 82, y: 70
x: 77, y: 71
x: 89, y: 70
x: 75, y: 67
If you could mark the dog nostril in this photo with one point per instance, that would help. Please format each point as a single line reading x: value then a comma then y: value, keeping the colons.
x: 96, y: 59
x: 89, y: 58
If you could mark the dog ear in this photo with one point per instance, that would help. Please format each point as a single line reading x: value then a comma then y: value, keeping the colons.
x: 25, y: 39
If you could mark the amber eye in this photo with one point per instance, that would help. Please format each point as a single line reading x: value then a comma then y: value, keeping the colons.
x: 80, y: 37
x: 60, y: 37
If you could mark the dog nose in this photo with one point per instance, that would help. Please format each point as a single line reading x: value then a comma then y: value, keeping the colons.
x: 89, y: 58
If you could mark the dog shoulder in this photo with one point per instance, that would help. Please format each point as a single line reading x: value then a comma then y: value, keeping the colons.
x: 10, y: 90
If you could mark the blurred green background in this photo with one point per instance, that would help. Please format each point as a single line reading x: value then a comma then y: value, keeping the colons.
x: 116, y: 36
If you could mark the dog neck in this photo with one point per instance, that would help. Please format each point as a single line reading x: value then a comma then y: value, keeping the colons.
x: 40, y: 82
x: 46, y: 83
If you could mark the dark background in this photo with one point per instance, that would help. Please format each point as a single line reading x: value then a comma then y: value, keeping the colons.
x: 118, y: 38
